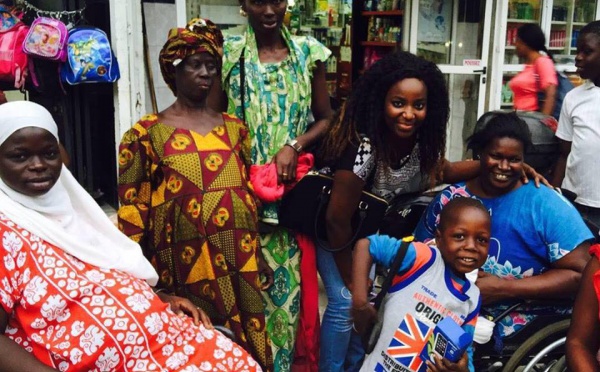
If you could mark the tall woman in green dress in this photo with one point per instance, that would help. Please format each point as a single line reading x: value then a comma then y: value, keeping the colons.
x: 284, y: 81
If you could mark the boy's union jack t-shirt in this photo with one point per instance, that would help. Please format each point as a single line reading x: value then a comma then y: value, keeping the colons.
x: 531, y: 229
x: 423, y: 292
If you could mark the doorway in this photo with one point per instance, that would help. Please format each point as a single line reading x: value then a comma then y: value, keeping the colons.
x: 455, y: 34
x: 84, y: 113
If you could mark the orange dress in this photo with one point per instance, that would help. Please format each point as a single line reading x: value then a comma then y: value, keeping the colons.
x: 74, y: 316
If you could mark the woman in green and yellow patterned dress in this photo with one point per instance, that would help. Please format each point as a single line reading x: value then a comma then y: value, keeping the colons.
x: 284, y: 82
x: 186, y: 197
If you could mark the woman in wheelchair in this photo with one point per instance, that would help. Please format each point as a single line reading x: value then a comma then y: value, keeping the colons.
x: 539, y: 242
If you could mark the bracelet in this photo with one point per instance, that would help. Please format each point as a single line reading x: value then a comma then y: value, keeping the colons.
x: 295, y: 145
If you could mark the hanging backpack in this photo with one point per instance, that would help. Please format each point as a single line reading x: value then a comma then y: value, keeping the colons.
x: 89, y: 58
x: 47, y: 39
x: 563, y: 87
x: 13, y: 62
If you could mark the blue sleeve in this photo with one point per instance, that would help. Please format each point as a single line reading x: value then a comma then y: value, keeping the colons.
x: 469, y: 327
x: 383, y: 249
x: 560, y: 224
x: 470, y: 354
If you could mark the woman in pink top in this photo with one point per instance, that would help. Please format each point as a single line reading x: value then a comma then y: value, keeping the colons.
x: 539, y: 73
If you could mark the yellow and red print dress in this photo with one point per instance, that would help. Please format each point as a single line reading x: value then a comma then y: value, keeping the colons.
x: 186, y: 198
x: 74, y: 316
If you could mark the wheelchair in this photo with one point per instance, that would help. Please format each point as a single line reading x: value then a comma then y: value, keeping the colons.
x: 537, y: 347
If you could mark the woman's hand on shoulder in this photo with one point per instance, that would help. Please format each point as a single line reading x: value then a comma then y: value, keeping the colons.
x: 529, y: 172
x: 444, y: 365
x: 184, y: 307
x: 490, y: 287
x: 285, y: 161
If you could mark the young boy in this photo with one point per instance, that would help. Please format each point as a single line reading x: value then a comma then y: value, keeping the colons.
x: 429, y: 286
x: 579, y: 128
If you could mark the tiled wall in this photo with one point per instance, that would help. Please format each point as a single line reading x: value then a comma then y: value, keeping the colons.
x: 160, y: 18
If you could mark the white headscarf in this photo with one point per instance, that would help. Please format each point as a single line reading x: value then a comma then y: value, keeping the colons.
x: 67, y: 216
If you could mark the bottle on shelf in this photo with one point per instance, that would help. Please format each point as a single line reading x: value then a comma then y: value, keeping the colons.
x: 295, y: 20
x: 322, y: 5
x: 375, y: 4
x: 512, y: 10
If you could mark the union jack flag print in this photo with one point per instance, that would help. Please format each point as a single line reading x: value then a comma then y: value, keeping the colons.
x: 407, y: 343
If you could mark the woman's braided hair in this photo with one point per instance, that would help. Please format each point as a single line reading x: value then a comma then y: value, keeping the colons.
x: 533, y: 36
x: 363, y: 113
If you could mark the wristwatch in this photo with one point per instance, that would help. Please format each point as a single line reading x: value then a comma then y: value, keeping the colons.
x: 295, y: 145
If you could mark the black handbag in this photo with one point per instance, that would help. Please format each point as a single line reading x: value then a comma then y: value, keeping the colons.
x: 370, y: 337
x: 404, y: 214
x: 303, y: 209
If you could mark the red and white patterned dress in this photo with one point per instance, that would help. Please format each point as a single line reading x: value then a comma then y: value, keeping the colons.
x: 76, y: 317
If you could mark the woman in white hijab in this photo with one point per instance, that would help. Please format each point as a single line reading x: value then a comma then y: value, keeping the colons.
x: 75, y: 294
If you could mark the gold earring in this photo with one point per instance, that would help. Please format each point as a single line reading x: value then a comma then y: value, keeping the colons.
x: 243, y: 12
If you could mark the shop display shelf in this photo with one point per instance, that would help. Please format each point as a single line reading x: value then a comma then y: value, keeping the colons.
x: 383, y: 13
x: 516, y: 20
x: 388, y: 44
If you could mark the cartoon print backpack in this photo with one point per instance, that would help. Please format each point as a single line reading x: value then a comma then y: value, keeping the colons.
x: 13, y: 62
x: 47, y: 39
x: 89, y: 58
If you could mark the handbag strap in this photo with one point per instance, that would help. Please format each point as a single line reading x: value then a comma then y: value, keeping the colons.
x: 392, y: 272
x: 243, y: 83
x: 537, y: 77
x: 539, y: 93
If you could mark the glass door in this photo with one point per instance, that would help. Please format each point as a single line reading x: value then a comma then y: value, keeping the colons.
x: 455, y: 34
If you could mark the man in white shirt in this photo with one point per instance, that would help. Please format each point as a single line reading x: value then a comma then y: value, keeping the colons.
x: 578, y: 130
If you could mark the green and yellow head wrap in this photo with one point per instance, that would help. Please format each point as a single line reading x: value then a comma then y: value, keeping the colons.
x: 199, y: 35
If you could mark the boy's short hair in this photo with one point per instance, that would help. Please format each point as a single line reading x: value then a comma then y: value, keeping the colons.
x: 448, y: 213
x: 591, y: 28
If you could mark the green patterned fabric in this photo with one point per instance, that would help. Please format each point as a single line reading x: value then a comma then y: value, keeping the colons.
x: 277, y: 102
x: 277, y: 95
x: 282, y: 300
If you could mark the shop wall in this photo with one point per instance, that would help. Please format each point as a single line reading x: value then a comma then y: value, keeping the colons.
x: 160, y: 18
x: 225, y: 13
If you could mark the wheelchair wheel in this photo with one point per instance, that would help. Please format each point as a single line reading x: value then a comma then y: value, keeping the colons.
x: 560, y: 366
x: 535, y: 344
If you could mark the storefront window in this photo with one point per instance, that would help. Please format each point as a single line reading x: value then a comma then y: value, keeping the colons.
x: 434, y: 30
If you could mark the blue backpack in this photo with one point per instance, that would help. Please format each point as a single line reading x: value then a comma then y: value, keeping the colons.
x: 563, y: 87
x: 89, y: 58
